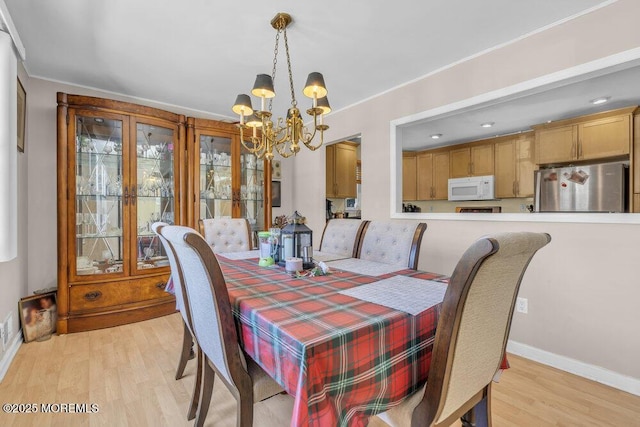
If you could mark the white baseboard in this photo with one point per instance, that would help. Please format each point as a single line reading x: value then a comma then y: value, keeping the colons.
x: 582, y: 369
x: 12, y: 349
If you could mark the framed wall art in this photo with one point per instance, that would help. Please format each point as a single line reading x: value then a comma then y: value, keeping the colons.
x: 275, y: 194
x: 22, y: 111
x: 38, y: 316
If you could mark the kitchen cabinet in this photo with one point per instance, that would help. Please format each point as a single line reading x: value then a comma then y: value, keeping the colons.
x: 119, y: 170
x: 635, y: 166
x: 341, y: 168
x: 409, y: 176
x: 593, y: 137
x: 432, y: 175
x: 472, y: 160
x: 514, y: 166
x: 224, y: 179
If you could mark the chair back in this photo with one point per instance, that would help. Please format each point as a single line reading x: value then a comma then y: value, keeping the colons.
x: 474, y: 324
x: 226, y: 234
x: 182, y: 300
x: 395, y: 242
x: 213, y: 322
x: 341, y: 236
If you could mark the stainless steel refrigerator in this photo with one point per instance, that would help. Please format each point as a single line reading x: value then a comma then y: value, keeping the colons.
x: 590, y: 188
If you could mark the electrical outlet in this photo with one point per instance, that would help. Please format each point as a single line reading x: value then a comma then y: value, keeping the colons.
x: 522, y: 305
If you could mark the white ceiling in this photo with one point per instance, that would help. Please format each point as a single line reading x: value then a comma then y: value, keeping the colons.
x: 200, y: 54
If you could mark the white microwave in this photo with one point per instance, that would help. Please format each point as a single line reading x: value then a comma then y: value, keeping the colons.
x: 472, y: 188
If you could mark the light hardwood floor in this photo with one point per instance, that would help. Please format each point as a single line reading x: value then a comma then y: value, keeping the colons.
x: 129, y: 371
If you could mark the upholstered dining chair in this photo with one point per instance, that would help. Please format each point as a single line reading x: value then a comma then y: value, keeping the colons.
x: 471, y: 335
x: 226, y: 234
x: 341, y: 236
x: 182, y: 304
x: 215, y: 328
x: 394, y: 242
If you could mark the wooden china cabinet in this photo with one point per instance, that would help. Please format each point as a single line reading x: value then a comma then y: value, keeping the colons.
x: 224, y: 179
x: 120, y: 168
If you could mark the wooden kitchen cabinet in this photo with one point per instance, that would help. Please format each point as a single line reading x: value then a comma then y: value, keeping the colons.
x: 514, y: 166
x: 597, y: 136
x: 120, y: 169
x: 635, y: 166
x: 409, y: 176
x: 472, y: 160
x: 341, y: 170
x: 432, y: 175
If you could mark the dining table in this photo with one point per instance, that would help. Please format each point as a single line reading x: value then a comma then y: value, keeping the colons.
x: 341, y: 356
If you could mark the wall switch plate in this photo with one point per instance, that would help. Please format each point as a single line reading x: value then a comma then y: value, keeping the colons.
x: 8, y: 327
x: 3, y: 335
x: 522, y: 305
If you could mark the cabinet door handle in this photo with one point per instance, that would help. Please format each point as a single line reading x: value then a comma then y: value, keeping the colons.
x: 92, y: 296
x: 133, y: 196
x: 579, y: 149
x: 126, y: 196
x: 513, y: 188
x: 517, y: 187
x: 161, y: 285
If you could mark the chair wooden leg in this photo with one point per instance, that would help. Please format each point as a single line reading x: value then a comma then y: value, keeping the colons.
x: 205, y: 394
x: 187, y: 342
x: 197, y: 386
x: 479, y: 415
x: 245, y: 411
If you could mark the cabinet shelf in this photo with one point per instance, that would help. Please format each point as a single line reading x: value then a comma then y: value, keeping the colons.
x: 99, y: 236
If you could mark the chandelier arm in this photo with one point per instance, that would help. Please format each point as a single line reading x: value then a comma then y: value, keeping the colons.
x: 255, y: 145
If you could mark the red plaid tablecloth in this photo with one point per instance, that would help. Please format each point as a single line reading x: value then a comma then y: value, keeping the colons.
x: 343, y: 359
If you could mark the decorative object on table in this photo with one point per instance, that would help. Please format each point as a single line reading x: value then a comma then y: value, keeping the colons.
x: 264, y: 238
x: 286, y: 133
x: 280, y: 221
x: 296, y: 239
x: 38, y: 316
x: 274, y: 241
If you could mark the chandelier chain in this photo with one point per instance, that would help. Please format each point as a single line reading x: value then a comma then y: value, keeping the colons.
x: 294, y: 103
x: 275, y: 64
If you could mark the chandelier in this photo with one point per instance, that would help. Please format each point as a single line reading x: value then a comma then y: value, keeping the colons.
x: 287, y: 133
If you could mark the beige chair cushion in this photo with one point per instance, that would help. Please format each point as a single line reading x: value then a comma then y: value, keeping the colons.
x: 227, y: 234
x: 339, y: 236
x: 388, y: 241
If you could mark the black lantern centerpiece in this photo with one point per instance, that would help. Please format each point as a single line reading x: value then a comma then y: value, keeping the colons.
x: 296, y: 241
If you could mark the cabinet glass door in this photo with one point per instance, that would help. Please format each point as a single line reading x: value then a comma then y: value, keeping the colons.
x: 216, y: 178
x: 98, y: 197
x: 153, y: 192
x: 252, y: 190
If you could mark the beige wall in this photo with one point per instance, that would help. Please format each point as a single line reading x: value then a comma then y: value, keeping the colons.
x: 583, y: 289
x: 13, y: 274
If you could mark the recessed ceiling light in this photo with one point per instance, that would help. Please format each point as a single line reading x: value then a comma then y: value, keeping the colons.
x: 599, y: 101
x: 487, y: 124
x: 436, y: 136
